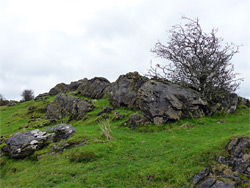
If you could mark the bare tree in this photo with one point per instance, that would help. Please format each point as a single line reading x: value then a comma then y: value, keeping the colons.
x: 27, y: 95
x: 197, y: 60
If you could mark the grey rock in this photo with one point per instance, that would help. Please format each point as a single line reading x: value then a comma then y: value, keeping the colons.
x: 236, y: 170
x: 59, y: 147
x: 105, y: 109
x: 59, y: 88
x: 231, y: 102
x: 123, y: 92
x: 95, y: 88
x: 244, y: 101
x: 73, y: 86
x: 11, y: 103
x: 200, y: 176
x: 224, y: 160
x: 65, y: 105
x: 207, y: 183
x: 117, y: 116
x: 21, y: 145
x: 42, y: 96
x: 241, y: 165
x: 61, y: 131
x: 2, y: 153
x: 163, y: 101
x: 31, y: 108
x: 221, y: 121
x: 158, y: 120
x: 135, y: 120
x: 220, y: 184
x: 237, y: 146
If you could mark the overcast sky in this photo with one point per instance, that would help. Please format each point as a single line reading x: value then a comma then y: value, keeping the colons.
x: 46, y: 42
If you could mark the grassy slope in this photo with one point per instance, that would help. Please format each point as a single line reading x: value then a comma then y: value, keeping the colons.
x: 151, y: 156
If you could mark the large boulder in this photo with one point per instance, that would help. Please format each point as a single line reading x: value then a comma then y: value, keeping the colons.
x: 95, y: 88
x: 21, y: 145
x: 74, y: 85
x: 164, y: 101
x: 42, y: 96
x: 66, y: 105
x: 61, y: 131
x: 124, y: 90
x: 59, y: 88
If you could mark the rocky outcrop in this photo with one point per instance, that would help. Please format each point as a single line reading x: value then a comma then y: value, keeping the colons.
x: 238, y: 150
x: 234, y: 169
x: 124, y: 90
x: 244, y: 101
x: 228, y: 105
x: 74, y: 85
x: 164, y: 101
x: 11, y: 103
x: 59, y: 88
x: 95, y: 88
x: 42, y: 96
x: 66, y: 105
x: 21, y: 145
x: 159, y: 100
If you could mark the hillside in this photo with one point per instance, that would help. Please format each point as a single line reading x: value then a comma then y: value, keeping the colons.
x: 133, y: 152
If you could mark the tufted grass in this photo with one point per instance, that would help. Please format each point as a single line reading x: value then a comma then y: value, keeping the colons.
x: 151, y: 156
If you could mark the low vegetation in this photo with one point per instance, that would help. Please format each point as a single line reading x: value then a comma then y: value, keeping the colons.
x: 166, y: 155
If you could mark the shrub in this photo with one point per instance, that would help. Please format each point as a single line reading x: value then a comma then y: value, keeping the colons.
x: 27, y: 95
x: 198, y: 60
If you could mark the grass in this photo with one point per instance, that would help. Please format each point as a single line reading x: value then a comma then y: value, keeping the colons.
x: 167, y: 155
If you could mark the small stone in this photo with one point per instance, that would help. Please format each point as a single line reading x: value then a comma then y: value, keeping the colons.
x: 246, y: 156
x: 207, y: 183
x: 248, y: 169
x: 220, y: 184
x: 105, y: 109
x: 158, y: 120
x: 222, y: 121
x: 136, y: 120
x: 187, y: 125
x: 31, y: 108
x: 201, y: 175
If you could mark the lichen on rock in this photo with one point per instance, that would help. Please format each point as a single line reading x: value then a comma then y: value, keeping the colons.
x: 66, y: 105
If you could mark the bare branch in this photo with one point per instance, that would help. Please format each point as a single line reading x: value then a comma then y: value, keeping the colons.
x: 197, y: 60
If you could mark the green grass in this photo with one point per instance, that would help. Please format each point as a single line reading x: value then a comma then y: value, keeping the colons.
x: 150, y: 156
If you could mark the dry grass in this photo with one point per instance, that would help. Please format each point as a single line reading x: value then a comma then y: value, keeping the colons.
x: 106, y: 130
